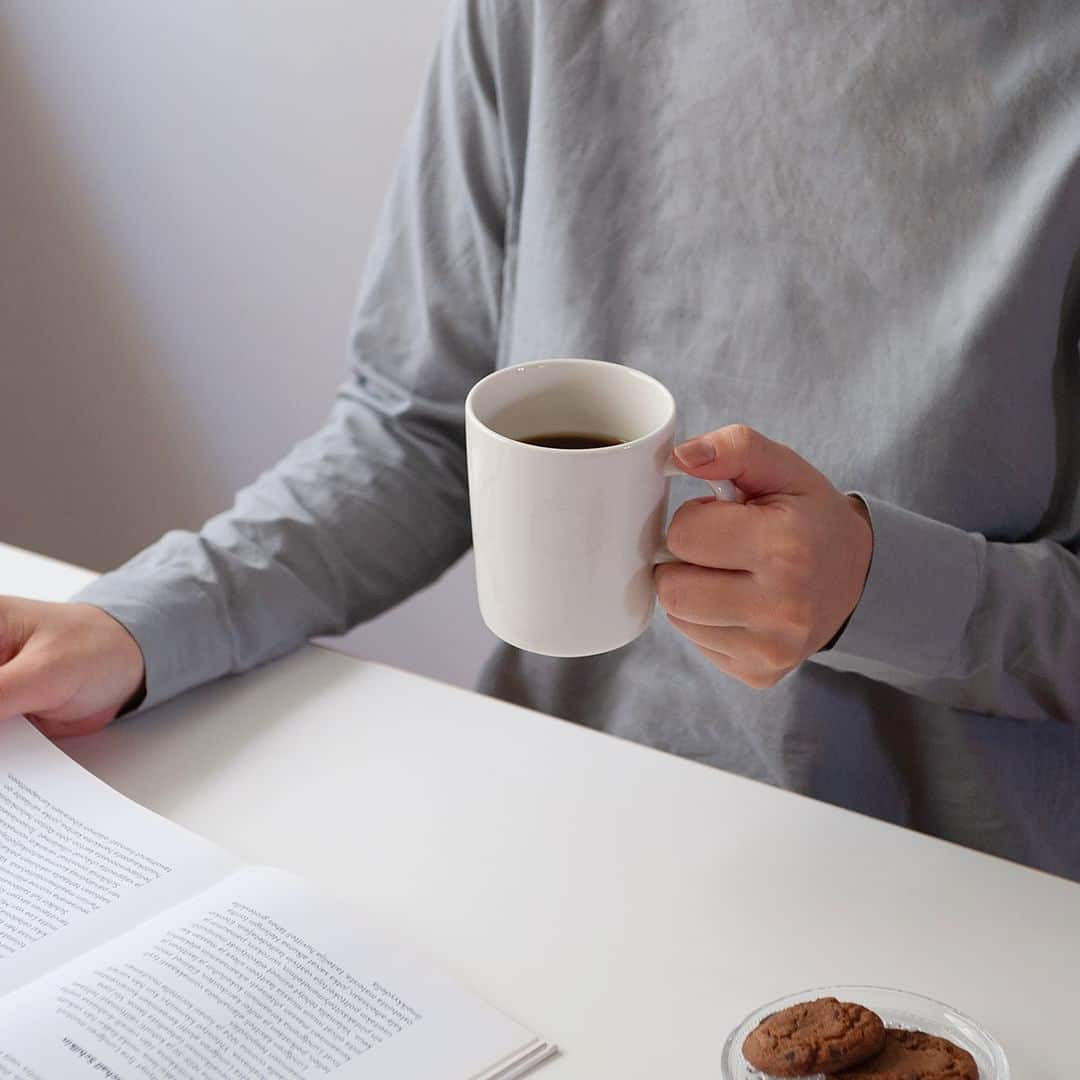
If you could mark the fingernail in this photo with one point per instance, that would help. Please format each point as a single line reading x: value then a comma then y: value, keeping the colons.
x: 695, y: 453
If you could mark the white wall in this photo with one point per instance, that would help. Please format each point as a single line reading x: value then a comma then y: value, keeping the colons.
x: 186, y: 196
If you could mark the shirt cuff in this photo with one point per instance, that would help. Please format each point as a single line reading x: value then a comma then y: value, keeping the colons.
x: 177, y: 630
x: 919, y: 594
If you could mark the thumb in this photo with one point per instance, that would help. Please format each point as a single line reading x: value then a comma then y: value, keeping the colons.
x: 756, y: 464
x: 24, y: 686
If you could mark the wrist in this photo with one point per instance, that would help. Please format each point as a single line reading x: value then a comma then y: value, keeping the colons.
x: 864, y: 550
x: 860, y: 508
x: 864, y: 545
x: 122, y: 655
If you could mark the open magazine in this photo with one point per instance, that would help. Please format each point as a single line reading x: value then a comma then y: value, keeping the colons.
x: 131, y: 948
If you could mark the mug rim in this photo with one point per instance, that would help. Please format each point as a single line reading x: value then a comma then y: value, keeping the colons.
x: 570, y: 361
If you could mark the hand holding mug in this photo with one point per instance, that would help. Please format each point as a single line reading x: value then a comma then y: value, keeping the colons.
x: 568, y: 467
x: 764, y: 583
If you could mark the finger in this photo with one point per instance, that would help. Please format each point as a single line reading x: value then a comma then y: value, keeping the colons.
x: 757, y: 680
x: 723, y: 535
x: 756, y: 464
x: 24, y: 686
x: 752, y: 651
x: 708, y: 597
x: 63, y: 729
x: 12, y: 632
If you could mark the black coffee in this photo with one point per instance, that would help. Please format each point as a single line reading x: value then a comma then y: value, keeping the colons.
x: 571, y: 440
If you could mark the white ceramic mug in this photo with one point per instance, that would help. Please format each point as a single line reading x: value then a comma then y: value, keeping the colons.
x: 566, y: 540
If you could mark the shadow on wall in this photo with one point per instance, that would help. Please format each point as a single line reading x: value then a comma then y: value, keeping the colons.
x: 72, y: 360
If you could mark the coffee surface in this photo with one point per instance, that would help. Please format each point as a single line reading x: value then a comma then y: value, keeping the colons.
x: 571, y: 440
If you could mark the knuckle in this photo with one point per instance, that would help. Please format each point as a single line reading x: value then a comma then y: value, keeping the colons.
x: 667, y: 588
x: 741, y: 438
x: 761, y: 680
x: 679, y: 533
x: 774, y: 655
x: 754, y: 679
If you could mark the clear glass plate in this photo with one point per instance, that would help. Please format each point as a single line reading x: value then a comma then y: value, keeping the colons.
x: 897, y: 1008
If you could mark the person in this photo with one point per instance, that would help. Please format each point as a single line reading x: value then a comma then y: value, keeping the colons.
x: 845, y: 237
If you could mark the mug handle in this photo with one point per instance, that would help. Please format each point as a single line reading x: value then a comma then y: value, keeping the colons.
x: 724, y: 490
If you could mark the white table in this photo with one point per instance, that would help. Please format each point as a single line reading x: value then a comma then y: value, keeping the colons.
x: 627, y: 904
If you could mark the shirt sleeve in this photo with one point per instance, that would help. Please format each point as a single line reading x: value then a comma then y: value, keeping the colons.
x: 976, y: 624
x: 374, y: 505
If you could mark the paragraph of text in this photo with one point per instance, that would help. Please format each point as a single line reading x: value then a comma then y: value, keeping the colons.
x: 54, y: 867
x: 234, y: 994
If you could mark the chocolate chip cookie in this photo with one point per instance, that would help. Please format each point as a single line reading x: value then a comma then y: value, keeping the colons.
x: 914, y: 1055
x: 822, y: 1036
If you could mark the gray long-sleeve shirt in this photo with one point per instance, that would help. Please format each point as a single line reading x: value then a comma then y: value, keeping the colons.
x: 853, y: 226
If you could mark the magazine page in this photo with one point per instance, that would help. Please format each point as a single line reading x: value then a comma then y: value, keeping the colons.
x: 80, y: 863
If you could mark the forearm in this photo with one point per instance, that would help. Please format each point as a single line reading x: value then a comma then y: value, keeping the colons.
x: 374, y: 505
x: 353, y: 520
x: 952, y: 617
